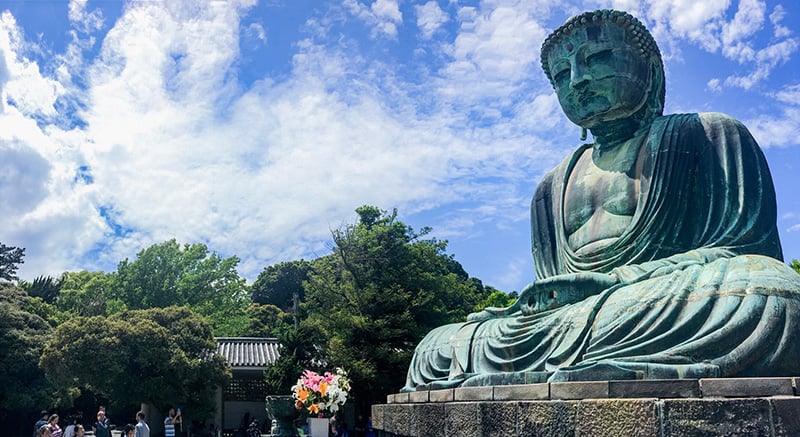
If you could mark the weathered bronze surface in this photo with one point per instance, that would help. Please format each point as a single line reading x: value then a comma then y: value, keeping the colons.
x: 656, y: 247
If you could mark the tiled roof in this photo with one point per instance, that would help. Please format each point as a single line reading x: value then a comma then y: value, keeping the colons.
x: 248, y: 351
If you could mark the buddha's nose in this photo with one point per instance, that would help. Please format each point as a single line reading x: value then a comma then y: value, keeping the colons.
x: 578, y: 76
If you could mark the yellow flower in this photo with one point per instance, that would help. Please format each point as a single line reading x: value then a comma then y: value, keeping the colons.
x: 302, y: 394
x: 313, y: 408
x: 323, y: 387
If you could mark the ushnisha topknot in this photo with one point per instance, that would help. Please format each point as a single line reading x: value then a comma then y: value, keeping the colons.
x: 641, y: 36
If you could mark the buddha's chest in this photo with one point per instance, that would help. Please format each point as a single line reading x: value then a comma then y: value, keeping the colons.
x: 600, y: 200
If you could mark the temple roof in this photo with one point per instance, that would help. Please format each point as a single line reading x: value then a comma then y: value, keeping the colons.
x: 248, y: 352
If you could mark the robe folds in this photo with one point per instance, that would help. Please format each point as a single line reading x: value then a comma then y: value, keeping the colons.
x: 701, y: 291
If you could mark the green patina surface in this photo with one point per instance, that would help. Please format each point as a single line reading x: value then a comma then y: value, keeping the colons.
x: 655, y: 247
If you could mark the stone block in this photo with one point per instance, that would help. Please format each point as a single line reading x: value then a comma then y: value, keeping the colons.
x: 579, y: 390
x: 376, y: 413
x: 473, y: 394
x: 498, y: 419
x: 399, y: 417
x: 654, y: 388
x: 429, y: 420
x: 522, y: 392
x: 786, y: 416
x: 461, y: 419
x: 546, y: 418
x: 712, y: 417
x: 618, y: 417
x: 418, y: 396
x: 746, y: 387
x: 446, y: 395
x: 397, y: 398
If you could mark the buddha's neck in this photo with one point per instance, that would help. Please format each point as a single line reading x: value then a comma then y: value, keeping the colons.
x: 613, y: 133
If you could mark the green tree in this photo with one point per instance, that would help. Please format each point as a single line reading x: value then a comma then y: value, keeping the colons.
x: 22, y: 337
x: 10, y: 259
x: 297, y: 351
x: 266, y: 320
x: 380, y: 291
x: 46, y: 288
x: 494, y: 297
x: 279, y: 284
x: 795, y: 265
x: 87, y: 294
x: 167, y: 274
x: 160, y: 356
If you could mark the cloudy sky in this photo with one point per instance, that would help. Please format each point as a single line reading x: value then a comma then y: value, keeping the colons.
x: 256, y: 127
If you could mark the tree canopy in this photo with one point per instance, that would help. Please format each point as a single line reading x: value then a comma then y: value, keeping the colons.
x: 10, y: 259
x: 158, y: 355
x: 363, y: 307
x: 279, y: 284
x: 380, y: 291
x: 167, y: 274
x: 22, y: 337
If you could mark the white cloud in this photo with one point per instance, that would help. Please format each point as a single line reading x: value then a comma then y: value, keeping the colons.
x: 789, y: 94
x: 85, y: 21
x: 748, y: 20
x: 494, y: 52
x: 177, y: 149
x: 383, y: 15
x: 766, y: 60
x: 23, y: 86
x: 775, y: 18
x: 43, y: 205
x: 256, y: 32
x: 776, y: 130
x: 706, y: 24
x: 714, y: 85
x: 430, y: 18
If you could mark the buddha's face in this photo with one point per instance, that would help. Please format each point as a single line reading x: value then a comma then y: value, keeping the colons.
x: 598, y: 76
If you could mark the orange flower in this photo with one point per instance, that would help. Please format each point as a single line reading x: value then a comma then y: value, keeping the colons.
x: 302, y: 394
x: 313, y: 408
x: 323, y: 387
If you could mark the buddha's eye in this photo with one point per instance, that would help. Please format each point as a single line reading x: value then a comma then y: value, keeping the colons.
x: 599, y: 58
x: 562, y: 76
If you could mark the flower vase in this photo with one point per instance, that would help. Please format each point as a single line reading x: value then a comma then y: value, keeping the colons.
x: 318, y: 427
x: 282, y: 409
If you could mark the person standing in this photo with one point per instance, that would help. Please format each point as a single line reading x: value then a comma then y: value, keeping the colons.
x: 102, y: 428
x: 253, y: 431
x: 45, y: 431
x: 40, y: 423
x: 78, y: 430
x: 69, y: 431
x: 142, y: 430
x: 53, y: 422
x: 170, y: 421
x: 128, y: 430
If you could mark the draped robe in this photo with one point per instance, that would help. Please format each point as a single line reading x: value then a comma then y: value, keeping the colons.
x: 701, y: 293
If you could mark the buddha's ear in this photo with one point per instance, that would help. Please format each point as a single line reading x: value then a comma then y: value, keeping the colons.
x: 655, y: 100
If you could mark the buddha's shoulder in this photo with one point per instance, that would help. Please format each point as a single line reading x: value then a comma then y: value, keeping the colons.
x: 708, y: 120
x: 562, y: 168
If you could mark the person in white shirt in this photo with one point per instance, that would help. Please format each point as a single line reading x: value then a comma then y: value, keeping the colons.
x: 142, y: 430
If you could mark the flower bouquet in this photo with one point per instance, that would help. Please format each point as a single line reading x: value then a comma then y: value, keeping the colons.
x: 321, y: 394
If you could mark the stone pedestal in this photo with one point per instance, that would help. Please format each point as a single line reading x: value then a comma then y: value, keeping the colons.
x: 652, y: 408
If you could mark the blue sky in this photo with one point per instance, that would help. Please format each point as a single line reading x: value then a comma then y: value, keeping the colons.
x: 257, y: 127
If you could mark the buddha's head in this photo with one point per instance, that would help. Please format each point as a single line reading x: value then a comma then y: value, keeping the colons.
x: 605, y: 66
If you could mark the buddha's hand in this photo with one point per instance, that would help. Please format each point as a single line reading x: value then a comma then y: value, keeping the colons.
x: 556, y: 291
x: 494, y: 312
